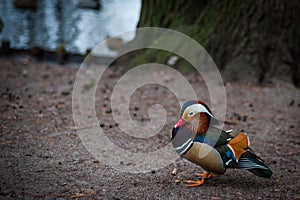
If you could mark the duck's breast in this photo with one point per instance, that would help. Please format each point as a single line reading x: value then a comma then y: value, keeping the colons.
x: 205, y: 156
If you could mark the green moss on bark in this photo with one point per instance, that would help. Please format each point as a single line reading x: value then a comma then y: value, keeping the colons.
x: 263, y: 34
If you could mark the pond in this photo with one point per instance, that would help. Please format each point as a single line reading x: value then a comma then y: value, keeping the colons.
x: 65, y: 22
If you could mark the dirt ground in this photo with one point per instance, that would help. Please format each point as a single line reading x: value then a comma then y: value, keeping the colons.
x: 42, y: 156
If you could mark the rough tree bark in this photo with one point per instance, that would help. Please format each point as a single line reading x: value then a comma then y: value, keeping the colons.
x: 247, y: 39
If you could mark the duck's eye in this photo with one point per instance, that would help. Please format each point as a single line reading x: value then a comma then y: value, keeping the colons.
x: 191, y: 113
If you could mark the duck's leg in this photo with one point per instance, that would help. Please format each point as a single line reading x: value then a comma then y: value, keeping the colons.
x: 205, y: 175
x: 192, y: 183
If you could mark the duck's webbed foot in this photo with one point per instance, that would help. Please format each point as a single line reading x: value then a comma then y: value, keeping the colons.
x: 193, y: 183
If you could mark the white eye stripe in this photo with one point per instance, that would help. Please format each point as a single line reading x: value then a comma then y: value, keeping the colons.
x: 199, y: 108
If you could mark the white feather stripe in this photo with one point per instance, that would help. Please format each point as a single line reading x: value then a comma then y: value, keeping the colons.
x: 227, y: 163
x: 253, y: 167
x: 232, y: 151
x: 199, y: 108
x: 229, y: 131
x: 248, y: 141
x: 184, y: 144
x: 245, y: 160
x: 188, y: 146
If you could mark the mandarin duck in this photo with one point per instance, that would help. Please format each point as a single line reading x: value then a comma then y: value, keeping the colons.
x: 196, y: 138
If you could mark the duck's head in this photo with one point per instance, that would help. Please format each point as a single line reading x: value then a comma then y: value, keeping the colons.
x: 196, y: 116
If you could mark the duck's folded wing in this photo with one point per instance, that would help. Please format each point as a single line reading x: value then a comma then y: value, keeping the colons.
x: 214, y: 137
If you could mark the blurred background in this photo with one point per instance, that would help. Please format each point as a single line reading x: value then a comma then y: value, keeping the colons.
x: 250, y: 41
x: 78, y: 25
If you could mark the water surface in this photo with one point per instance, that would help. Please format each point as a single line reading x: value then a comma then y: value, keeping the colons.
x: 62, y: 22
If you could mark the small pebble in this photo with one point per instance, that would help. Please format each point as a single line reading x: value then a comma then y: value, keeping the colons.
x: 65, y: 93
x: 108, y: 111
x: 25, y: 73
x: 174, y: 172
x: 291, y: 102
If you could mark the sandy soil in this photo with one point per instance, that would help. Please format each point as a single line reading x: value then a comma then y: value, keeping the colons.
x: 42, y: 156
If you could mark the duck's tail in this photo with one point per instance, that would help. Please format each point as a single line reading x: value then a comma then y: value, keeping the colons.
x: 254, y: 164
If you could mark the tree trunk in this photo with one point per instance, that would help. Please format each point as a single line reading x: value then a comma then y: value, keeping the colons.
x: 248, y: 40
